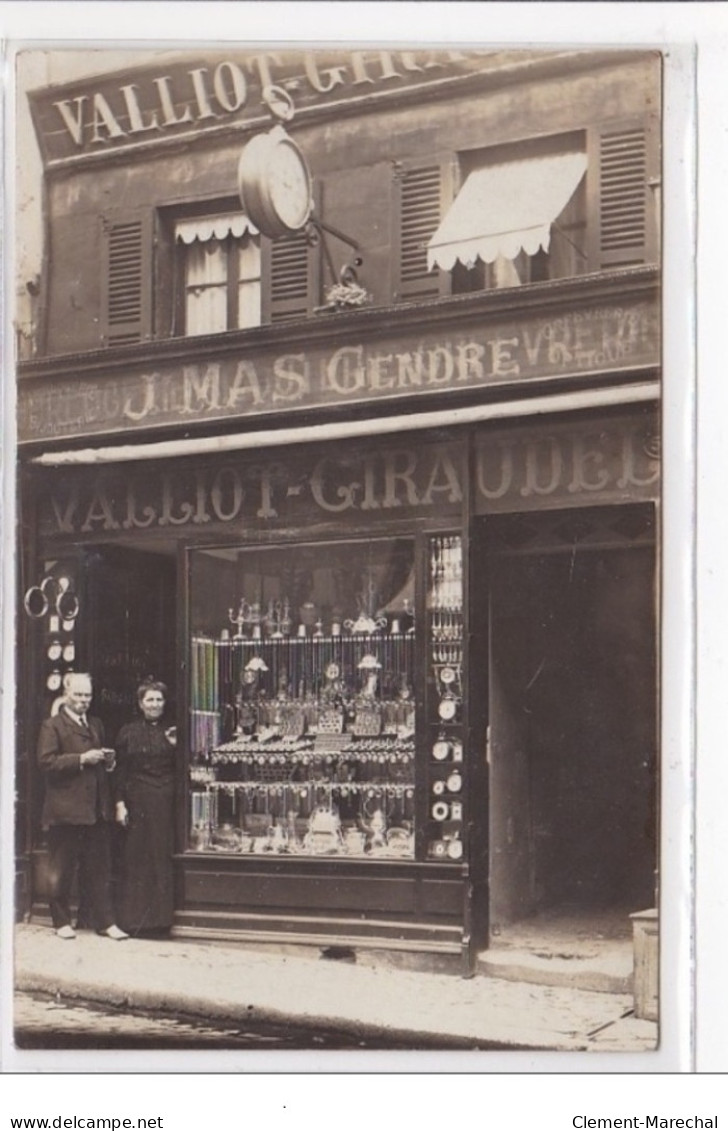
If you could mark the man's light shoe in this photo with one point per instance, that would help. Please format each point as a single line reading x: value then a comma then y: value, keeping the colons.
x: 114, y: 932
x: 66, y: 932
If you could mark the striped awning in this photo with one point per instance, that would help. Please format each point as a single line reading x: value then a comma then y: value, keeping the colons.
x: 504, y: 209
x: 204, y: 228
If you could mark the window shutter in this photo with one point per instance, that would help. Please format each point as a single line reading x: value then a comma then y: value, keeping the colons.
x: 625, y: 155
x: 421, y: 195
x: 126, y: 279
x: 290, y: 286
x: 291, y: 268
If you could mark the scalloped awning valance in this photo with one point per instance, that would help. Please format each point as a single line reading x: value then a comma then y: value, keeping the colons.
x: 204, y: 228
x: 503, y: 209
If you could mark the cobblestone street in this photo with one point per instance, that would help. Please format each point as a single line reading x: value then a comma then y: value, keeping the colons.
x: 45, y: 1022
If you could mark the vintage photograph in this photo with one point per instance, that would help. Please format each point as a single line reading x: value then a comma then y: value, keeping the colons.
x: 338, y: 383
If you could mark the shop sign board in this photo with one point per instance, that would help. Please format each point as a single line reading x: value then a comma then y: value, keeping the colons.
x: 198, y: 95
x: 241, y: 384
x: 567, y: 464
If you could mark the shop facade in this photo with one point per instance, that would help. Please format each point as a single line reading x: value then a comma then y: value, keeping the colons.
x: 378, y: 500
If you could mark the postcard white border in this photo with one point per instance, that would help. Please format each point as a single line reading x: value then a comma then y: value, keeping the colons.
x: 689, y: 35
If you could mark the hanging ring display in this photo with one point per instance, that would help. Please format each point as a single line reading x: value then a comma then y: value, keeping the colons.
x: 38, y: 598
x: 35, y: 602
x: 67, y: 605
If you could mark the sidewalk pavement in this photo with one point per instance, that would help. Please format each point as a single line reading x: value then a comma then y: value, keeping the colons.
x: 231, y: 982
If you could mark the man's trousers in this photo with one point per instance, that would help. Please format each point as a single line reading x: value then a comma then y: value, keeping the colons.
x: 84, y: 850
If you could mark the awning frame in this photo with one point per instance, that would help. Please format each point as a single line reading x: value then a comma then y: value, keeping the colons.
x: 503, y: 209
x: 353, y: 429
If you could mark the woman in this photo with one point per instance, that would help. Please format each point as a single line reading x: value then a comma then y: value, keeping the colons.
x: 144, y: 791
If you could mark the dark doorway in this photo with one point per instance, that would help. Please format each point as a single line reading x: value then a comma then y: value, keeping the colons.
x: 573, y: 725
x: 126, y: 632
x: 131, y: 626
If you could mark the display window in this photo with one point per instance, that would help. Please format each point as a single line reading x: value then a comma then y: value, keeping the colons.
x: 302, y: 704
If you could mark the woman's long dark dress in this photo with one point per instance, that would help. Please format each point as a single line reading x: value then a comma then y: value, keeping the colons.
x: 144, y: 781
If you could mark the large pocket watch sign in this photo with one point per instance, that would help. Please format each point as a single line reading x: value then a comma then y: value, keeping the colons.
x: 275, y: 184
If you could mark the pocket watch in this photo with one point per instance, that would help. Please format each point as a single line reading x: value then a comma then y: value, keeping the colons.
x: 274, y: 184
x: 441, y: 749
x: 447, y: 707
x: 455, y: 849
x: 440, y: 811
x: 455, y: 782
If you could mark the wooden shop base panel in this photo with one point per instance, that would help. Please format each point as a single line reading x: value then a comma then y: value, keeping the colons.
x: 315, y: 931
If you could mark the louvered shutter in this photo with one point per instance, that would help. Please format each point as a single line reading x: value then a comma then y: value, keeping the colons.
x: 126, y: 279
x: 625, y: 155
x: 422, y: 193
x: 291, y: 268
x: 290, y: 284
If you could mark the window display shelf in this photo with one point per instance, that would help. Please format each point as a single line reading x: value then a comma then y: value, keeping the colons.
x: 303, y: 718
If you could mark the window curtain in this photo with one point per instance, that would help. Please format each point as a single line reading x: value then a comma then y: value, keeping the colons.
x: 206, y: 308
x: 249, y: 288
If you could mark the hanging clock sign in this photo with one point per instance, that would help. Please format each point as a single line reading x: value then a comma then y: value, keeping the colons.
x: 274, y: 183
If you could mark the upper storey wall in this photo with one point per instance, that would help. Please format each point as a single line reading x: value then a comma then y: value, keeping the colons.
x: 164, y: 138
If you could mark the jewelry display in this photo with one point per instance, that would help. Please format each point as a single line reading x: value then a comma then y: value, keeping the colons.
x: 54, y: 606
x: 445, y: 643
x: 281, y: 739
x: 306, y: 695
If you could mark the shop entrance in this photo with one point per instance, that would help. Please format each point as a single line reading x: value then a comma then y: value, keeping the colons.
x: 131, y: 627
x: 126, y: 632
x: 573, y: 719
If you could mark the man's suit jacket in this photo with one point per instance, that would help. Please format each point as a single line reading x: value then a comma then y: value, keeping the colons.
x: 74, y: 795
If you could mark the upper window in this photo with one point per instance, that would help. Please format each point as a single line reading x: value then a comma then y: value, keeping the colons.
x: 221, y: 268
x: 519, y: 217
x: 550, y: 208
x: 167, y: 273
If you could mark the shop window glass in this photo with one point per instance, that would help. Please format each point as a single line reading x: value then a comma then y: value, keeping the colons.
x: 302, y: 711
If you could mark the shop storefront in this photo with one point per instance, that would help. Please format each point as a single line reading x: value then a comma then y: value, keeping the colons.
x: 414, y: 673
x: 397, y: 564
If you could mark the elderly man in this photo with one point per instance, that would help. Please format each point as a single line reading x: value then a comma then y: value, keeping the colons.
x: 78, y: 809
